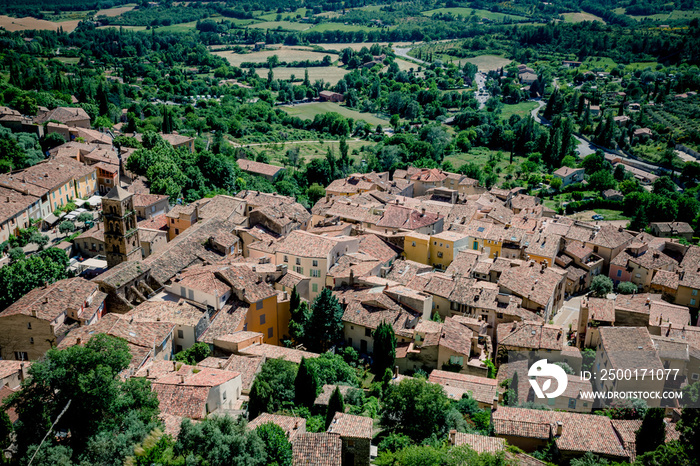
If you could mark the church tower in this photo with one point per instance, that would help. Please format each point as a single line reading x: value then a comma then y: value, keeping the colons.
x: 121, y: 232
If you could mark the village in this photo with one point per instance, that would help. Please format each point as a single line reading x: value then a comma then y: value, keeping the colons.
x: 463, y: 275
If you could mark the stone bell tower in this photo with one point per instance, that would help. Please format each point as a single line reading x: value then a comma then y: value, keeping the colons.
x: 121, y: 233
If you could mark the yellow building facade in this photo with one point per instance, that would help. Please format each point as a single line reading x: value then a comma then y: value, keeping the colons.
x: 417, y: 248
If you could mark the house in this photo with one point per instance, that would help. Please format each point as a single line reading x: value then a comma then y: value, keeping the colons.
x: 571, y: 64
x: 358, y: 183
x: 642, y: 133
x: 427, y: 178
x: 91, y: 243
x: 628, y: 348
x: 193, y: 392
x: 398, y: 218
x: 12, y: 373
x: 355, y: 432
x: 329, y: 96
x: 672, y: 229
x: 313, y: 256
x: 327, y: 390
x: 317, y: 449
x: 190, y: 321
x: 178, y: 141
x: 40, y: 319
x: 527, y: 78
x: 292, y: 426
x: 613, y: 195
x: 150, y: 205
x: 69, y: 116
x: 573, y: 434
x: 55, y: 182
x: 663, y: 315
x: 540, y: 287
x: 267, y: 171
x: 482, y: 389
x: 529, y: 336
x: 593, y: 314
x: 152, y: 341
x: 14, y: 211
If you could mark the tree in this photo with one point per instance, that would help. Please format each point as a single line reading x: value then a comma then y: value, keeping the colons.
x: 415, y: 407
x: 20, y: 277
x: 66, y: 227
x: 16, y: 254
x: 556, y: 183
x: 5, y: 430
x: 652, y: 432
x: 626, y: 288
x: 219, y: 440
x: 384, y: 348
x: 315, y: 192
x: 52, y: 140
x: 305, y: 384
x: 689, y: 425
x: 277, y: 446
x: 85, y: 217
x: 325, y: 326
x: 101, y: 404
x: 336, y: 404
x: 588, y: 459
x: 193, y: 354
x: 273, y: 387
x: 601, y: 180
x: 601, y: 286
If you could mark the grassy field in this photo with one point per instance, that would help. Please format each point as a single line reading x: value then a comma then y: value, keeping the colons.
x: 24, y: 24
x: 309, y: 111
x: 182, y: 27
x: 579, y: 17
x: 480, y: 13
x: 488, y: 62
x: 480, y: 156
x: 610, y: 215
x: 281, y: 25
x: 599, y: 62
x: 308, y: 150
x: 329, y: 74
x: 273, y: 15
x: 69, y: 60
x: 287, y: 54
x: 112, y: 12
x: 129, y: 28
x: 322, y: 27
x: 672, y: 16
x: 359, y: 45
x: 522, y: 109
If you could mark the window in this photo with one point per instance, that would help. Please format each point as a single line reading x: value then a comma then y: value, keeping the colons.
x: 223, y: 395
x: 180, y: 334
x: 692, y: 302
x: 551, y: 401
x: 177, y: 232
x: 286, y: 259
x: 298, y: 261
x: 448, y: 246
x: 572, y: 403
x: 270, y: 332
x: 413, y: 243
x: 636, y: 275
x: 258, y: 305
x: 457, y: 360
x: 695, y: 292
x: 439, y: 254
x: 262, y: 319
x: 695, y: 376
x: 31, y: 340
x: 619, y: 273
x: 368, y: 332
x: 314, y: 287
x: 21, y: 355
x: 299, y: 270
x: 315, y: 273
x: 434, y: 243
x: 29, y: 325
x: 314, y: 263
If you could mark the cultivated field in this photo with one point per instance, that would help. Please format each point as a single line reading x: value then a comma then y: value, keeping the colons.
x: 287, y: 54
x: 466, y: 12
x: 308, y: 150
x: 273, y: 16
x: 24, y: 24
x: 321, y: 27
x: 579, y: 17
x: 521, y: 109
x: 309, y: 111
x: 488, y: 62
x: 112, y: 12
x: 329, y: 74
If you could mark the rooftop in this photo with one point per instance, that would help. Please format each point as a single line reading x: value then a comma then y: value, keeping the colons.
x: 348, y: 425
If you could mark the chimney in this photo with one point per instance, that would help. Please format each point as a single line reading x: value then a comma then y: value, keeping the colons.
x: 174, y: 365
x: 34, y: 312
x: 21, y: 372
x: 78, y: 341
x: 182, y: 379
x: 396, y: 371
x: 422, y: 212
x: 148, y: 372
x: 453, y: 437
x: 560, y: 428
x: 296, y: 425
x: 221, y: 366
x: 98, y: 227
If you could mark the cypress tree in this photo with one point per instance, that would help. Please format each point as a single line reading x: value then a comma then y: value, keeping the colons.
x: 384, y: 348
x: 305, y: 384
x: 652, y: 432
x: 335, y: 405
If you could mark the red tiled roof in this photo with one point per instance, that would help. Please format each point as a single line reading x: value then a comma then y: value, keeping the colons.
x: 317, y: 449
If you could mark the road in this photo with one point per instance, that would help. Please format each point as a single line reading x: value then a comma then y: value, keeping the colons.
x: 482, y: 94
x: 403, y: 53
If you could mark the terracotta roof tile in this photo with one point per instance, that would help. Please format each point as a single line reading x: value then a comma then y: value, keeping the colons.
x: 348, y: 425
x: 292, y: 426
x: 482, y: 389
x: 531, y: 335
x: 317, y: 449
x: 258, y: 168
x: 480, y: 443
x: 277, y: 352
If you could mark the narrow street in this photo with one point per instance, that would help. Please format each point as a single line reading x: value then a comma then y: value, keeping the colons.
x: 568, y: 314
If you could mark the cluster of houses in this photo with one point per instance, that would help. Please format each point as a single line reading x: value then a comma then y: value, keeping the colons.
x: 464, y: 275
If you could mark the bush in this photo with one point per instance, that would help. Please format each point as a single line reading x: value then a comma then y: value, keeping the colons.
x: 16, y: 254
x: 626, y: 288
